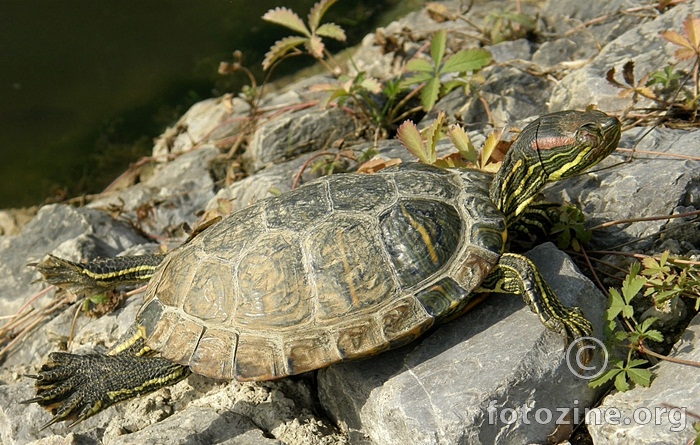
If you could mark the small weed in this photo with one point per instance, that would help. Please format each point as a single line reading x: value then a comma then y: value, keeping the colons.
x: 311, y: 36
x: 430, y: 73
x: 661, y: 279
x: 422, y: 143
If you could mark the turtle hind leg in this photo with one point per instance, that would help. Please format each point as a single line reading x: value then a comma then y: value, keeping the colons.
x: 515, y: 274
x: 99, y: 275
x: 75, y: 387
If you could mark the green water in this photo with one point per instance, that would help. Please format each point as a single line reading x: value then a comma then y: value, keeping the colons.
x: 86, y: 85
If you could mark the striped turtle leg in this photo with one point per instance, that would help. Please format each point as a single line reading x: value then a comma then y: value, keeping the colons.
x: 99, y: 275
x: 515, y: 274
x: 75, y: 387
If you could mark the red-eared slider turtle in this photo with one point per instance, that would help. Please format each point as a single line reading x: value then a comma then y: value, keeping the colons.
x: 343, y: 267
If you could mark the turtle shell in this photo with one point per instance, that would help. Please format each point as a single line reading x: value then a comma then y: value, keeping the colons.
x: 343, y: 267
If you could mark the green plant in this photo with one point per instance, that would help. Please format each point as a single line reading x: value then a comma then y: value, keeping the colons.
x: 661, y: 279
x: 311, y: 36
x: 570, y: 228
x: 429, y: 73
x: 422, y: 144
x: 666, y: 279
x: 623, y: 371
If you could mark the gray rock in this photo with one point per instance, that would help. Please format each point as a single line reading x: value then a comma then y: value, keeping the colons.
x: 460, y: 383
x: 170, y: 197
x: 642, y: 44
x: 202, y: 427
x: 511, y: 95
x: 509, y: 50
x: 573, y: 17
x: 297, y: 132
x: 209, y: 121
x: 659, y: 414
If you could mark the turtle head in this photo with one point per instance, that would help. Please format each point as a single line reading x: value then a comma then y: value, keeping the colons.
x: 553, y: 147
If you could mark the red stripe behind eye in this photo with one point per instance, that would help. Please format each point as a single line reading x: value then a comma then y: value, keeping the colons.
x: 550, y: 142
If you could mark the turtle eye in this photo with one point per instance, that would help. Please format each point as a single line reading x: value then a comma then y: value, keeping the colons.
x: 589, y: 135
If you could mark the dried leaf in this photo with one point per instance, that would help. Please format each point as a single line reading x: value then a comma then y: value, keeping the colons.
x: 689, y: 43
x: 287, y: 18
x: 628, y: 72
x: 432, y: 135
x: 691, y: 26
x: 610, y: 77
x: 374, y: 165
x: 438, y: 12
x: 492, y: 141
x: 452, y: 160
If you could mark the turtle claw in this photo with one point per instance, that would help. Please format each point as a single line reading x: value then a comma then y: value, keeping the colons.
x: 58, y: 388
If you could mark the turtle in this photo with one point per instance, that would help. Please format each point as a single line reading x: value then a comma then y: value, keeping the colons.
x: 343, y: 267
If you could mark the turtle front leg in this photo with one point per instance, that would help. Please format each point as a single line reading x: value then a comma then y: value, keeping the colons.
x: 515, y: 274
x: 75, y: 387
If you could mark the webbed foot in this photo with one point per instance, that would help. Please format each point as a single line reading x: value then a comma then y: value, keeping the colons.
x: 75, y: 387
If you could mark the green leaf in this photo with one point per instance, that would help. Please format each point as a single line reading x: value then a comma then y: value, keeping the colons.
x: 411, y: 138
x: 331, y: 30
x: 631, y: 287
x: 621, y: 382
x: 646, y: 324
x: 420, y: 65
x: 417, y: 78
x: 655, y: 335
x: 280, y: 48
x: 451, y: 85
x: 521, y: 18
x: 639, y: 376
x: 337, y: 94
x: 437, y: 47
x: 98, y: 298
x: 317, y: 12
x: 616, y: 305
x: 604, y: 378
x: 635, y: 362
x: 287, y: 18
x: 466, y: 60
x: 429, y: 93
x: 464, y: 145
